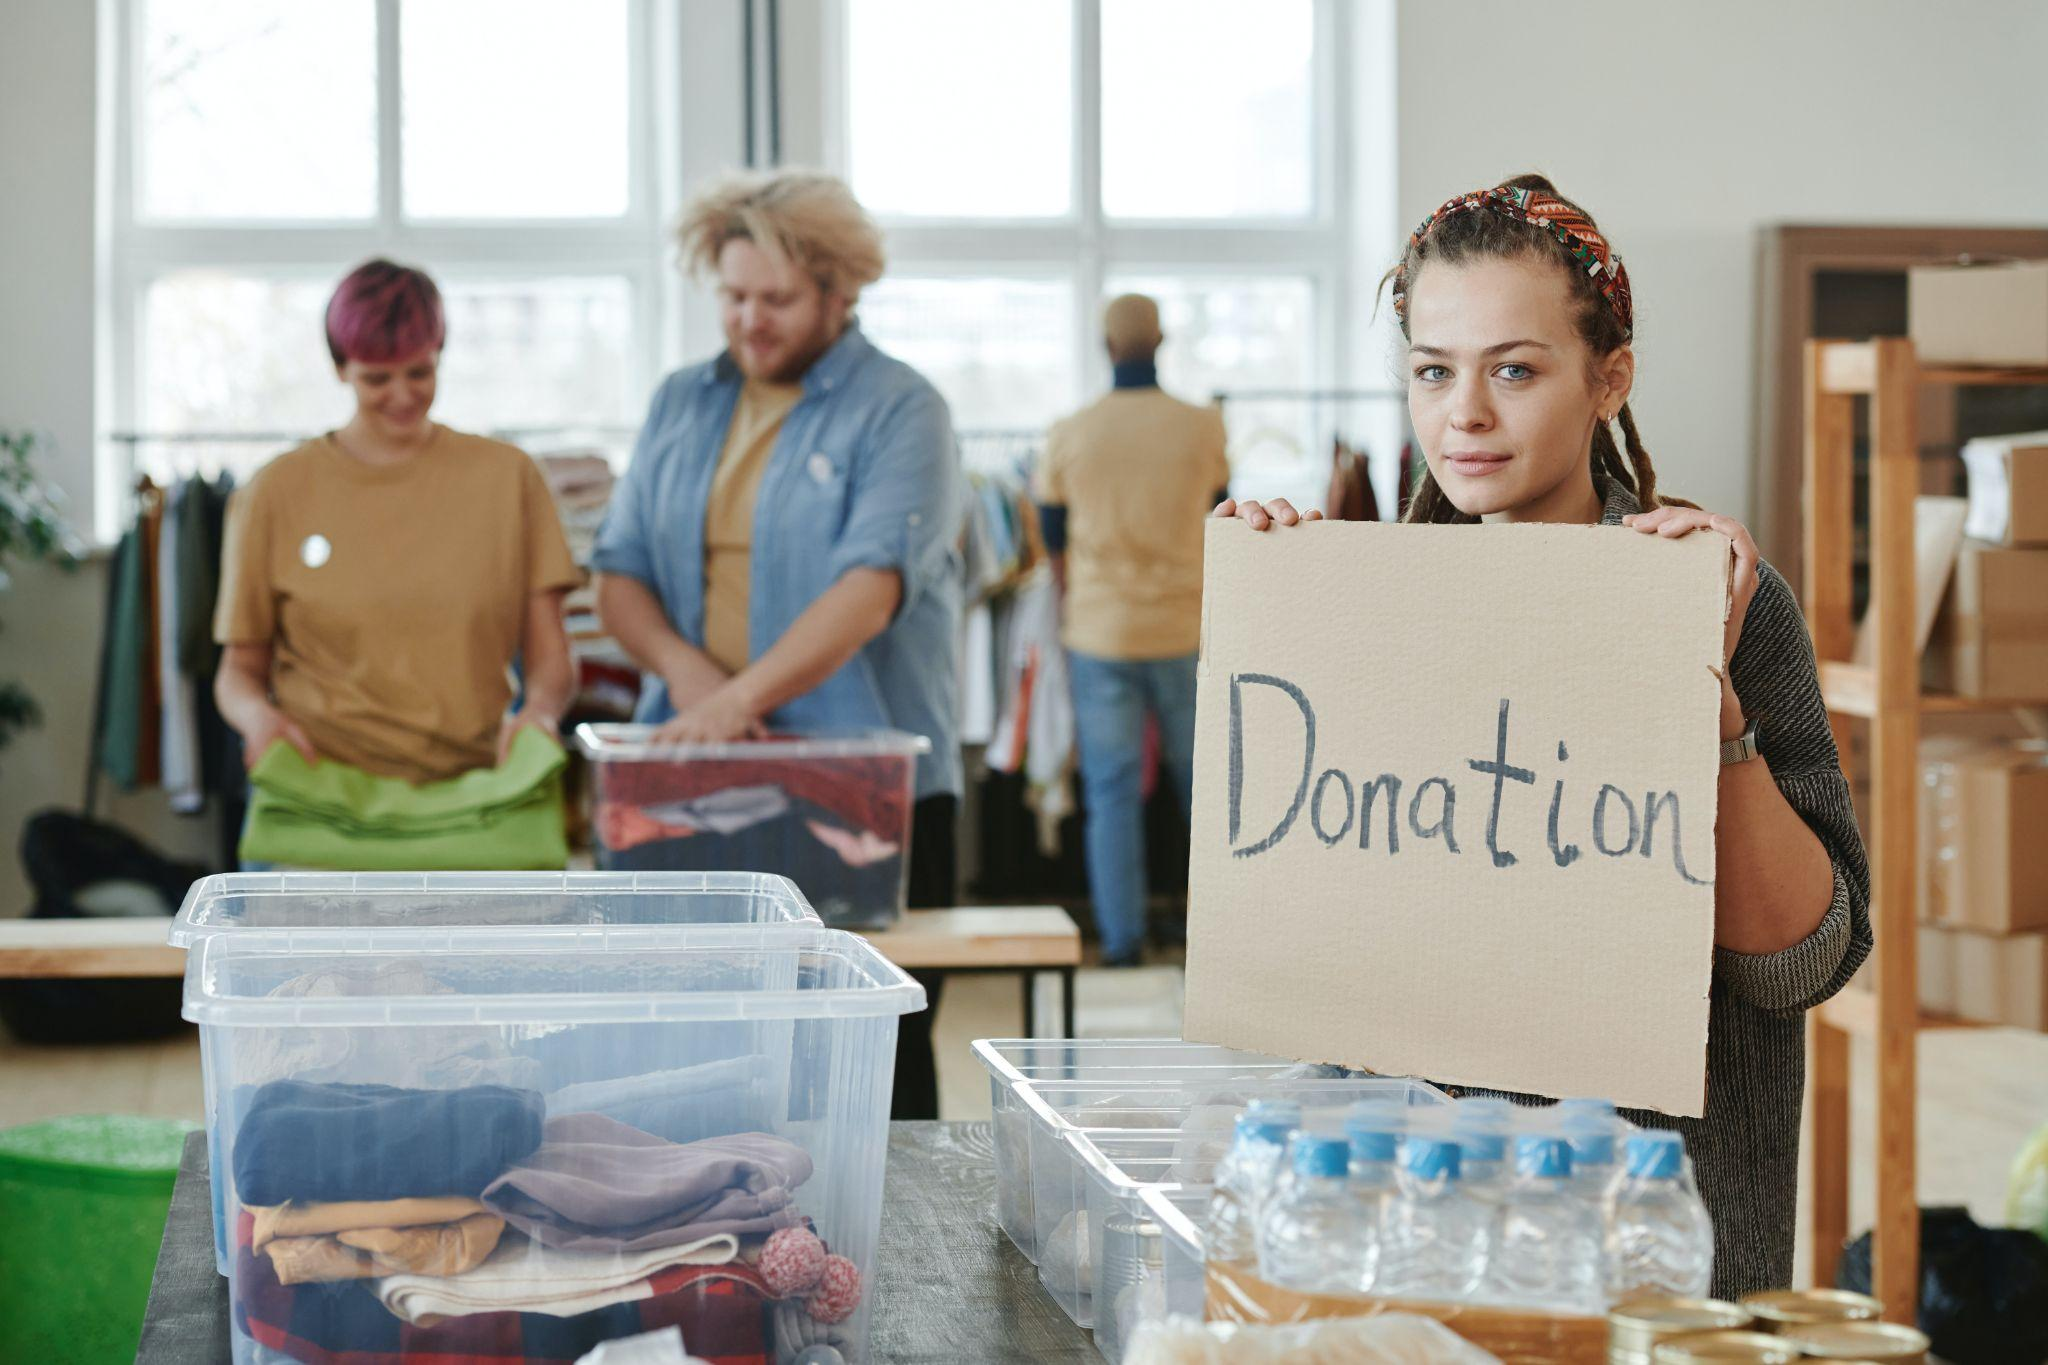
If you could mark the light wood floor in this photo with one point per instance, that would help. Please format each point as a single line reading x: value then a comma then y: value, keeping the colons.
x: 1982, y: 1091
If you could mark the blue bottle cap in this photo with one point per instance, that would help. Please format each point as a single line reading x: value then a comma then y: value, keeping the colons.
x: 1277, y: 1111
x: 1375, y: 1128
x: 1315, y: 1155
x: 1582, y: 1108
x: 1546, y: 1158
x: 1591, y: 1146
x: 1656, y: 1154
x: 1257, y: 1127
x: 1429, y: 1158
x: 1371, y: 1144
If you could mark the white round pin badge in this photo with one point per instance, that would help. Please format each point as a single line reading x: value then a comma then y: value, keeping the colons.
x: 316, y: 551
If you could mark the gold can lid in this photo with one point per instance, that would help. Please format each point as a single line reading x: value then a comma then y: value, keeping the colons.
x: 1880, y: 1341
x: 1679, y: 1315
x: 1803, y: 1306
x: 1753, y: 1348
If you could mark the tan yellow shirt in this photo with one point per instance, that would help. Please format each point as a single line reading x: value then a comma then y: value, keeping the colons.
x: 1136, y: 471
x: 393, y: 597
x: 729, y: 518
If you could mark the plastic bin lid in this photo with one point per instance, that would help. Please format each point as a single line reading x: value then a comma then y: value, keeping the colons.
x: 632, y: 744
x: 1016, y: 1059
x: 100, y: 1148
x: 416, y: 902
x: 713, y: 973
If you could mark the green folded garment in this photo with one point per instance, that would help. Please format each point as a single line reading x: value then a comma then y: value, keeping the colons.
x: 330, y: 815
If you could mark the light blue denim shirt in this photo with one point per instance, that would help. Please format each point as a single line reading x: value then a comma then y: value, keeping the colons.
x: 864, y: 474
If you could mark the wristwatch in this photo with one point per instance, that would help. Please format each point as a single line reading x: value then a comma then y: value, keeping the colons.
x: 1740, y: 749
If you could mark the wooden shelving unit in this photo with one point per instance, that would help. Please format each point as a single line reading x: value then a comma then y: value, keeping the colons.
x: 1886, y: 694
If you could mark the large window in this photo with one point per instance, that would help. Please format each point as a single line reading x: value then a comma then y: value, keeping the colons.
x: 1029, y: 161
x: 262, y: 150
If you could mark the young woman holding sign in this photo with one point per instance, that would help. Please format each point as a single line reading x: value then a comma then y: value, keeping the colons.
x: 1519, y: 321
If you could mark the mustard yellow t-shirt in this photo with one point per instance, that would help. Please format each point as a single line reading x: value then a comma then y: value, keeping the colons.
x: 393, y: 596
x: 729, y: 518
x: 1137, y: 471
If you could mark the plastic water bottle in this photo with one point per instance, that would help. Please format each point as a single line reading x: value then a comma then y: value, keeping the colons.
x: 1580, y: 1110
x: 1659, y: 1238
x: 1481, y: 1129
x: 1375, y: 1128
x: 1593, y: 1141
x: 1434, y: 1237
x: 1547, y: 1252
x: 1243, y: 1181
x: 1310, y: 1236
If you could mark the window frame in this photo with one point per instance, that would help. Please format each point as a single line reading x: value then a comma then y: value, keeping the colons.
x: 139, y: 250
x: 1090, y: 246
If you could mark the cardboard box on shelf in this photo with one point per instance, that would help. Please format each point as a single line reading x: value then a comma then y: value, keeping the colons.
x: 1983, y: 814
x: 1994, y: 314
x: 2008, y: 489
x: 1991, y: 636
x: 2001, y: 979
x: 1936, y: 961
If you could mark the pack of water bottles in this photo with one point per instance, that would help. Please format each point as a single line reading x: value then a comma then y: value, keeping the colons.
x: 1561, y: 1209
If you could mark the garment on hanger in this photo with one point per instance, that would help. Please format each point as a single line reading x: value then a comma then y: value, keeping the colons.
x: 1350, y: 497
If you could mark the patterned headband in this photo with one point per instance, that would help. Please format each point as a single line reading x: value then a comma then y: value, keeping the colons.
x: 1573, y: 230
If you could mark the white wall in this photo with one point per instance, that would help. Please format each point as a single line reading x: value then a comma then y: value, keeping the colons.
x: 51, y: 620
x: 1685, y: 128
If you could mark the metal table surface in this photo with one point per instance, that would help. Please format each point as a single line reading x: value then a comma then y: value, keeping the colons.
x: 948, y: 1284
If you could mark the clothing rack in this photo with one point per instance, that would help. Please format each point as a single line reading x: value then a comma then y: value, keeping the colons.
x: 1293, y: 435
x: 1007, y: 452
x: 213, y: 460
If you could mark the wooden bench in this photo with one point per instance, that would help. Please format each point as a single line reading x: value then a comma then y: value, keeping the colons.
x: 994, y: 938
x: 87, y: 948
x: 1022, y: 939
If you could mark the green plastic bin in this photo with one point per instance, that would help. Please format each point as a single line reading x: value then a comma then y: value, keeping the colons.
x: 82, y: 1205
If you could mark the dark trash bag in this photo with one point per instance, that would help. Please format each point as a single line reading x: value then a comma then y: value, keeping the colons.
x: 1983, y: 1291
x: 81, y: 868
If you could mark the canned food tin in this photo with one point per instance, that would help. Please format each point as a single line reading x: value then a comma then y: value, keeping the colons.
x: 1887, y: 1342
x: 1780, y: 1309
x: 1700, y: 1348
x: 1634, y: 1328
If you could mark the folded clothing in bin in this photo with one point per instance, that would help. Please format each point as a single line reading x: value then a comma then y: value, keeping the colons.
x: 525, y: 1277
x: 587, y: 1229
x: 723, y: 1312
x: 864, y: 793
x: 303, y: 1142
x: 361, y: 1239
x: 598, y: 1185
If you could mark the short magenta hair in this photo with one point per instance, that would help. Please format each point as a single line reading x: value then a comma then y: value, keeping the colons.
x: 384, y: 312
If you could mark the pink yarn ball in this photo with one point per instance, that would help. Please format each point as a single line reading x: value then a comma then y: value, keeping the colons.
x: 792, y: 1262
x: 838, y: 1293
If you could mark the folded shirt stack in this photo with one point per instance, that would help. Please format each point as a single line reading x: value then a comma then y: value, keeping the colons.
x: 381, y: 1223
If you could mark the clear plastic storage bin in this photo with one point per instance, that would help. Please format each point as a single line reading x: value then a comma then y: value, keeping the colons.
x: 324, y: 912
x: 1010, y: 1060
x: 371, y: 903
x: 1169, y: 1130
x: 832, y: 812
x: 588, y: 1141
x: 1180, y: 1211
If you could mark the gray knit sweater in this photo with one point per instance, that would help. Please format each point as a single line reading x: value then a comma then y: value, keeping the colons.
x: 1746, y: 1148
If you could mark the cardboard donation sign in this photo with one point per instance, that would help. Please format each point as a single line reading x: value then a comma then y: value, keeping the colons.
x: 1454, y: 803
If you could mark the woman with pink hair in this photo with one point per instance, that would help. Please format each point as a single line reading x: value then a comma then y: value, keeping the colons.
x: 379, y: 581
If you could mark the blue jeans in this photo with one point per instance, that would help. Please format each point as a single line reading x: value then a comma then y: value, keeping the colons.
x: 1112, y: 697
